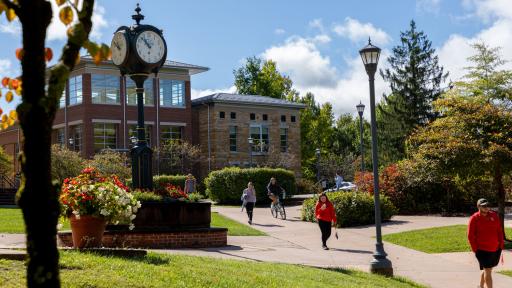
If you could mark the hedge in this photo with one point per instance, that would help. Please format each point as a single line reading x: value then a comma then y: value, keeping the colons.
x: 160, y: 181
x: 352, y: 209
x: 226, y: 185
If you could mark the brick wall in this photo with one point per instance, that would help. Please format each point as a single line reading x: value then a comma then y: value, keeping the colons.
x: 193, y: 238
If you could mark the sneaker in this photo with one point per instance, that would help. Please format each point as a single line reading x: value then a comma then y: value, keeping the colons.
x: 325, y: 247
x: 250, y: 222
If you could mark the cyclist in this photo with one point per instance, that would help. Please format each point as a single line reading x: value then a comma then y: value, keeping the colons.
x: 274, y: 190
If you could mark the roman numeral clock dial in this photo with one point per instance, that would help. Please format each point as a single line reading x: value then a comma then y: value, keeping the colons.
x: 150, y: 47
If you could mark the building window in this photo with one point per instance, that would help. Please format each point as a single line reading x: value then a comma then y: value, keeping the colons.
x: 222, y: 115
x: 172, y: 93
x: 59, y: 137
x: 259, y: 134
x: 283, y: 118
x: 75, y: 90
x: 170, y: 133
x: 76, y: 136
x: 232, y: 138
x: 131, y: 95
x: 284, y: 139
x: 292, y: 118
x: 132, y: 132
x: 62, y: 101
x: 233, y: 115
x: 253, y: 116
x: 265, y: 117
x: 105, y: 89
x: 105, y: 136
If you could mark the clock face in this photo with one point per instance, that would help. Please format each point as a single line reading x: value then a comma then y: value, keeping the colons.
x: 119, y: 48
x: 150, y: 47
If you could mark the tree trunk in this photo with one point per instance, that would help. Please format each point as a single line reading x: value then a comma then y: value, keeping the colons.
x: 498, y: 182
x: 37, y: 196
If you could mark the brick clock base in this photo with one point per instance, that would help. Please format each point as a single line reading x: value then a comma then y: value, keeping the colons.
x: 183, y: 238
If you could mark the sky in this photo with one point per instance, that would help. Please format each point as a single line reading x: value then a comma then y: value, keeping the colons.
x: 315, y: 43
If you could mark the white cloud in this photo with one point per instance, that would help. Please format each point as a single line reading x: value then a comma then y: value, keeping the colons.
x: 431, y: 6
x: 12, y: 28
x: 300, y: 59
x: 279, y: 31
x: 358, y: 32
x: 317, y: 24
x: 196, y: 93
x: 322, y: 39
x: 57, y: 30
x: 454, y: 52
x: 6, y: 68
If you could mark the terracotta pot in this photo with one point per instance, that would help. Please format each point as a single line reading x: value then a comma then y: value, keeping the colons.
x: 87, y: 231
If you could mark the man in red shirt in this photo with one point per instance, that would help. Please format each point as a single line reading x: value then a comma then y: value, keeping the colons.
x: 486, y: 239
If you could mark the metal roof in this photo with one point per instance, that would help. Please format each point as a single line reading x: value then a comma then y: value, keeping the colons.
x: 192, y: 69
x: 228, y: 98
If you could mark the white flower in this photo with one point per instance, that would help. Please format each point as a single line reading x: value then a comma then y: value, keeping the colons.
x: 59, y: 226
x: 117, y: 222
x: 134, y: 209
x: 104, y: 212
x: 131, y: 227
x: 77, y: 214
x: 101, y: 189
x: 132, y: 217
x: 138, y: 204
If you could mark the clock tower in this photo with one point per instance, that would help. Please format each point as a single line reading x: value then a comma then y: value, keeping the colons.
x: 138, y: 51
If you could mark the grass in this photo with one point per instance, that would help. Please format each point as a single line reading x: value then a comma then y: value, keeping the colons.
x: 158, y: 270
x: 436, y: 240
x: 506, y: 272
x: 11, y: 221
x: 234, y: 228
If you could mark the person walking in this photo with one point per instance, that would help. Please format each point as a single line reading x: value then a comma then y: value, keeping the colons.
x: 249, y: 198
x: 326, y: 216
x: 338, y: 179
x: 190, y: 184
x: 485, y: 236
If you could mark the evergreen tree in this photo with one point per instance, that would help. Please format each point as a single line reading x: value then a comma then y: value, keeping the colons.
x: 260, y: 77
x: 415, y: 79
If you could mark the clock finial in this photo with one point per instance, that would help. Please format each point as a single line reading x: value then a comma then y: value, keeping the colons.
x: 137, y: 17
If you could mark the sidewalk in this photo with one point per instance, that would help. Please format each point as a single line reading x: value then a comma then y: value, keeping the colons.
x: 294, y: 241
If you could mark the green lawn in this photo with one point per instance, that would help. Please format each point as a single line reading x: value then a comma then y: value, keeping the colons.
x: 436, y: 240
x: 234, y: 228
x: 158, y: 270
x: 11, y: 221
x: 506, y: 272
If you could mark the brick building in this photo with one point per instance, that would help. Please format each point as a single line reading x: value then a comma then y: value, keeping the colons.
x: 226, y: 122
x: 98, y: 111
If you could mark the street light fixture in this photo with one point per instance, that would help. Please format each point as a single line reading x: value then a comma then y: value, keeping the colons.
x: 317, y: 153
x: 71, y: 142
x: 380, y: 264
x: 360, y: 110
x: 251, y: 141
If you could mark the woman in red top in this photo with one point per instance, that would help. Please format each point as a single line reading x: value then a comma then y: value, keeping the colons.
x: 325, y: 215
x: 485, y: 236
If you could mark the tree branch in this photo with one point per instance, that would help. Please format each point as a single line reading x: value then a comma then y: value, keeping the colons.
x: 12, y: 6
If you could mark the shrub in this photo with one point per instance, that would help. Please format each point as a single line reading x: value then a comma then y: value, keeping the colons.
x: 226, y: 185
x: 146, y: 196
x: 195, y: 197
x: 65, y: 163
x: 110, y: 162
x: 305, y: 186
x: 352, y: 209
x: 160, y: 182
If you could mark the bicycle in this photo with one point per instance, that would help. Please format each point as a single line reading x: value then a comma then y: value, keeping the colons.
x: 278, y: 208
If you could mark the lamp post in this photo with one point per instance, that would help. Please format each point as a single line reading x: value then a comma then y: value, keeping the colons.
x: 251, y: 141
x: 380, y: 264
x: 360, y: 110
x: 317, y: 153
x: 71, y: 142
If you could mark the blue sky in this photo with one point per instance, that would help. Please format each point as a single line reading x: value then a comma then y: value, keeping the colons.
x: 314, y: 42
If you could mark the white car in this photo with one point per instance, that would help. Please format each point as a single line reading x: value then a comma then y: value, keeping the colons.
x: 345, y: 186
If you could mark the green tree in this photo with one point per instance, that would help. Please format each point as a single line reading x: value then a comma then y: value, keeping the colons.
x: 6, y: 167
x: 474, y: 136
x: 258, y: 77
x: 65, y: 163
x: 37, y: 196
x: 415, y: 79
x: 177, y: 157
x: 110, y: 162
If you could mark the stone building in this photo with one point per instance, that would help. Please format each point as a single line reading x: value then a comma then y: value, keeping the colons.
x: 225, y: 122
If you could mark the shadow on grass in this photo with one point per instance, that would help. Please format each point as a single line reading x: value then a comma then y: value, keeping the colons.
x: 360, y: 274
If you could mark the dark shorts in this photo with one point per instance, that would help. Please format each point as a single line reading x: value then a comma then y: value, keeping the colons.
x: 488, y: 259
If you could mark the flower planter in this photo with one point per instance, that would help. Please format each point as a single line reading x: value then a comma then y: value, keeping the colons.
x: 87, y: 231
x: 175, y: 214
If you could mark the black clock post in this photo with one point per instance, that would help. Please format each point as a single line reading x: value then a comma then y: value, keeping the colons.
x: 138, y: 51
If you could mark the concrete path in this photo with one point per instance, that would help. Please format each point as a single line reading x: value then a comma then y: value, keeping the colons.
x: 297, y: 242
x: 294, y: 241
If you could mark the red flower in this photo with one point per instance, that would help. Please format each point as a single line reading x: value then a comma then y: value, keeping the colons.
x: 88, y: 170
